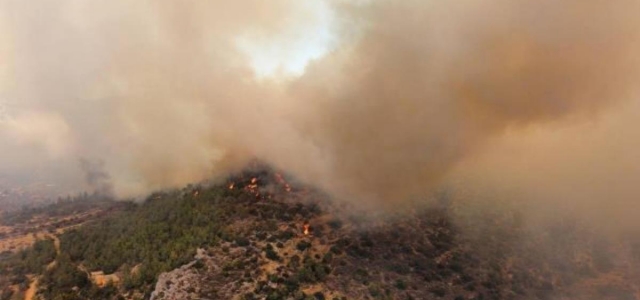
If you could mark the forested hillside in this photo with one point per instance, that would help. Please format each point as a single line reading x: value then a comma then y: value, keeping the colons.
x: 258, y: 236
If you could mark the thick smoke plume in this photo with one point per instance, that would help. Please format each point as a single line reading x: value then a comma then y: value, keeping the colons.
x: 412, y: 94
x: 97, y: 178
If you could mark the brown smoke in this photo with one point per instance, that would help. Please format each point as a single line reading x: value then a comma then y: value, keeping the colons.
x: 411, y: 93
x: 425, y: 85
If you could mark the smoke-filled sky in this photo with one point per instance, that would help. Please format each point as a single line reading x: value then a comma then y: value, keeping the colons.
x: 374, y: 101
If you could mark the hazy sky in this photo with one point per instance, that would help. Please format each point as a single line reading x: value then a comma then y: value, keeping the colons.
x: 290, y: 50
x: 374, y: 101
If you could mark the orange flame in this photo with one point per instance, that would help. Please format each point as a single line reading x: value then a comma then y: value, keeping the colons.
x: 231, y: 186
x: 281, y: 180
x: 306, y: 229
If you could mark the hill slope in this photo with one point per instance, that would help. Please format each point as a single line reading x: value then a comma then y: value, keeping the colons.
x: 258, y: 236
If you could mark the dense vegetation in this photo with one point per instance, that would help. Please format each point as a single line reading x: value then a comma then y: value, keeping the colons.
x: 159, y: 235
x: 252, y: 244
x: 29, y: 261
x: 139, y: 240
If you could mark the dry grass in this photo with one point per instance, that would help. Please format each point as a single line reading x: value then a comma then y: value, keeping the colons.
x: 101, y: 279
x: 17, y: 243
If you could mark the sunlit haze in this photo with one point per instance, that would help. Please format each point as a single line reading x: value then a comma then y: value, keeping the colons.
x: 289, y: 51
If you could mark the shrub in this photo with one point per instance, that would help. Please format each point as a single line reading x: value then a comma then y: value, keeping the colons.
x: 335, y: 249
x: 401, y: 285
x: 243, y: 241
x: 303, y: 245
x: 271, y: 254
x: 439, y: 291
x: 335, y: 224
x: 198, y: 264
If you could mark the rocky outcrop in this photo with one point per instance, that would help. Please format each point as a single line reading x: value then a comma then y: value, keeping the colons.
x: 181, y: 283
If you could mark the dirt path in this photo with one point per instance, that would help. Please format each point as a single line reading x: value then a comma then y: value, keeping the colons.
x: 33, y: 287
x: 31, y: 292
x: 56, y: 242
